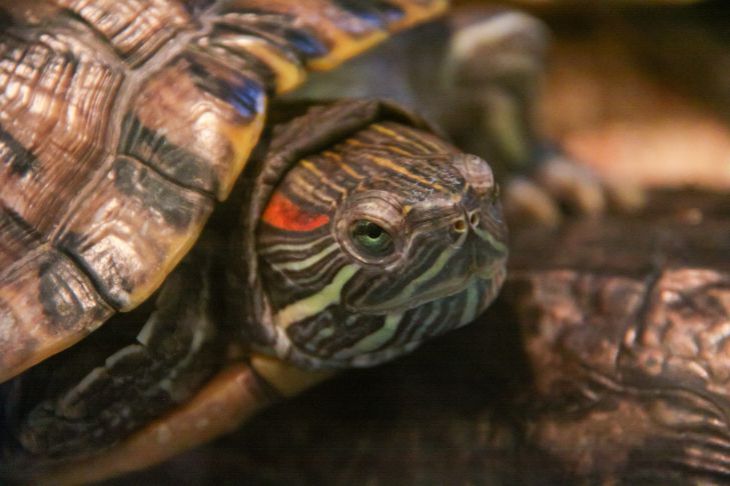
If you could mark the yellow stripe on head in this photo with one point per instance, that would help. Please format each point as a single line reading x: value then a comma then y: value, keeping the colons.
x: 316, y: 303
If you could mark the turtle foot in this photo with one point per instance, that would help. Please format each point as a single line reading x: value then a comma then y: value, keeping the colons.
x: 560, y: 186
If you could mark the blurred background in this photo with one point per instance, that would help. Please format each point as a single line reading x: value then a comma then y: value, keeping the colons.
x: 641, y: 89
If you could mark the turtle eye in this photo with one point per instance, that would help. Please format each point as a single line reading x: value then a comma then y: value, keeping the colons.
x: 371, y: 238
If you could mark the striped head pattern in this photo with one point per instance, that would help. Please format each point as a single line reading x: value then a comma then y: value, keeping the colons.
x: 378, y: 243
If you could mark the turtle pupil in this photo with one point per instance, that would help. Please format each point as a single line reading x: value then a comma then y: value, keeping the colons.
x: 371, y: 238
x: 374, y: 231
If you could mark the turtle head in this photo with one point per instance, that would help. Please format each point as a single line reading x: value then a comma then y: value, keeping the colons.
x: 428, y: 245
x: 371, y: 247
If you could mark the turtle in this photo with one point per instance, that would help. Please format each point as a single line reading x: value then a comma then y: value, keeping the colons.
x: 344, y: 234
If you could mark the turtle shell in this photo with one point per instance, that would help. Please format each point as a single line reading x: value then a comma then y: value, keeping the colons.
x: 122, y: 123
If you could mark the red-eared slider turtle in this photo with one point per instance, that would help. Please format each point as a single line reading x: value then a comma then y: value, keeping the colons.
x: 354, y: 235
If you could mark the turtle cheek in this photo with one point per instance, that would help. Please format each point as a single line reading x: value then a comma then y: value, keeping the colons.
x: 336, y: 336
x: 366, y: 340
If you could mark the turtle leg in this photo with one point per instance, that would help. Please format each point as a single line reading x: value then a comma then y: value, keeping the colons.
x: 232, y: 396
x: 95, y: 394
x: 492, y: 81
x: 181, y: 381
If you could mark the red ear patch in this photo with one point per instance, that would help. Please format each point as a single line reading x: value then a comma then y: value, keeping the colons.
x: 284, y: 214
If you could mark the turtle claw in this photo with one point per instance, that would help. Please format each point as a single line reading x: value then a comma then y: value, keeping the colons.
x: 494, y: 72
x: 576, y: 186
x: 560, y: 185
x: 526, y: 202
x: 625, y: 196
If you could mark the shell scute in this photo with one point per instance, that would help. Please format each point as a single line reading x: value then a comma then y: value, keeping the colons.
x: 189, y: 104
x: 133, y: 230
x: 19, y: 160
x: 136, y: 29
x: 67, y: 100
x: 46, y: 302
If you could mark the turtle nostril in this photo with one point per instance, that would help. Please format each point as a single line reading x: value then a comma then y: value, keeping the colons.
x: 460, y: 226
x: 474, y: 219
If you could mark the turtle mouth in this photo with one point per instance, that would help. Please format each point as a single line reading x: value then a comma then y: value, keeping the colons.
x: 441, y: 290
